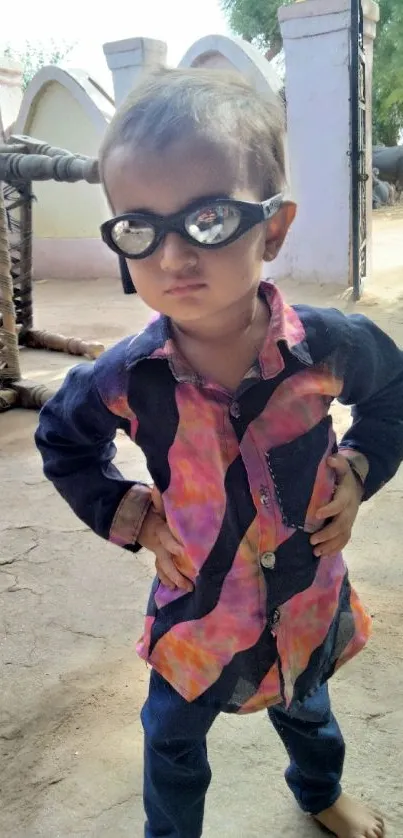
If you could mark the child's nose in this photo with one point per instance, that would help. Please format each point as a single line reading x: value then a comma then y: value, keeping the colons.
x: 176, y: 254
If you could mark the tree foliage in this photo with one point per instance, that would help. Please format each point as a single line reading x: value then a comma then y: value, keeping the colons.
x: 257, y: 22
x: 36, y: 54
x: 388, y: 74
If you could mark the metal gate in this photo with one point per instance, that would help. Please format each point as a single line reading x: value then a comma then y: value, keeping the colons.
x: 359, y: 174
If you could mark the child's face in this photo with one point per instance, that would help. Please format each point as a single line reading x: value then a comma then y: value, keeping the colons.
x: 179, y: 279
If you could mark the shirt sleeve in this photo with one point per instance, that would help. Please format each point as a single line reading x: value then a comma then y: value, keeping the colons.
x: 373, y: 385
x: 75, y: 437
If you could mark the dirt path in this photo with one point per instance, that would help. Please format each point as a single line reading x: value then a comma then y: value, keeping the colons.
x: 71, y: 607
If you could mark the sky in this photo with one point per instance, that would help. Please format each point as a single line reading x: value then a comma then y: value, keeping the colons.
x: 177, y: 22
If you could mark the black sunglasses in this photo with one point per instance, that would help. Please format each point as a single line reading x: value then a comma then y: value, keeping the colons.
x: 209, y: 223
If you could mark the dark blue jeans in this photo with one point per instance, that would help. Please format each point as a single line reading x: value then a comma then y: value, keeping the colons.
x: 177, y: 773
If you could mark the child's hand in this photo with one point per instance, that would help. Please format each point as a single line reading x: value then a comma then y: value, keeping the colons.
x: 156, y: 536
x: 343, y: 510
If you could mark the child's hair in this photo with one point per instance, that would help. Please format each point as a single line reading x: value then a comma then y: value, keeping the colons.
x: 215, y: 106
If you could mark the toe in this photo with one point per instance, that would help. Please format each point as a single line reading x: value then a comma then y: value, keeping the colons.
x: 378, y: 830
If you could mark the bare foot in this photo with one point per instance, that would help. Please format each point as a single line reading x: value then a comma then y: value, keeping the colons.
x: 349, y: 818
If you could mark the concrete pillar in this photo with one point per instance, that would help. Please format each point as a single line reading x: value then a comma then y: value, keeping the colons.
x: 316, y: 35
x: 10, y: 91
x: 127, y: 59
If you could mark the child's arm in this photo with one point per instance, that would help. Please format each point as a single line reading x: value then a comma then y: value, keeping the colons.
x: 368, y: 367
x: 76, y: 440
x: 373, y: 385
x: 76, y: 433
x: 371, y: 368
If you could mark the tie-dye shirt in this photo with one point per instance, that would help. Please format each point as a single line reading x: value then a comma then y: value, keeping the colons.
x: 242, y: 476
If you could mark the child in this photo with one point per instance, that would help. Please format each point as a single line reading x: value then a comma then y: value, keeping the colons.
x: 227, y: 393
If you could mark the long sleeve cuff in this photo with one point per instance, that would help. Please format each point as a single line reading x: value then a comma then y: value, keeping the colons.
x: 359, y: 461
x: 129, y: 517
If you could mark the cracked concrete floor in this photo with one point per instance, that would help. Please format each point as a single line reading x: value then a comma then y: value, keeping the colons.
x: 71, y: 607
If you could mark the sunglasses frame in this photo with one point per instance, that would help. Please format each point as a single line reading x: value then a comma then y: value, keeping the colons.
x: 251, y: 214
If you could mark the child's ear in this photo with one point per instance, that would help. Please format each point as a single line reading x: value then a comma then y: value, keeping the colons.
x: 277, y: 229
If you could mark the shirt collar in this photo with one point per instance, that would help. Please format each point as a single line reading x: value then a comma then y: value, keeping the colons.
x: 285, y: 327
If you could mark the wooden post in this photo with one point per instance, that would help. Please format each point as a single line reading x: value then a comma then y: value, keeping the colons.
x: 27, y: 320
x: 9, y: 355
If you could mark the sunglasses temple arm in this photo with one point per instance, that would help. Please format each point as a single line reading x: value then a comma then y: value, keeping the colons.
x: 272, y: 206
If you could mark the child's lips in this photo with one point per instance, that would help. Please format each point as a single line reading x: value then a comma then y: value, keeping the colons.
x: 185, y: 286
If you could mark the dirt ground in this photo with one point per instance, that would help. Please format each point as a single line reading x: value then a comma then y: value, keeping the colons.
x: 72, y: 606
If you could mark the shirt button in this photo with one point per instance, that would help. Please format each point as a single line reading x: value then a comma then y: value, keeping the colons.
x: 268, y: 560
x: 264, y: 497
x: 235, y: 410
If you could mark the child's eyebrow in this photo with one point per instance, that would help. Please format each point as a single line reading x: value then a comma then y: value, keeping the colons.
x: 195, y: 202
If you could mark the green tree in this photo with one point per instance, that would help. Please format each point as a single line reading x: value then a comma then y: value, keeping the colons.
x: 256, y: 21
x: 36, y: 54
x: 388, y: 74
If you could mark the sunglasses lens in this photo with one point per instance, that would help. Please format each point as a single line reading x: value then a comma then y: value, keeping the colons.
x: 132, y: 237
x: 214, y: 224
